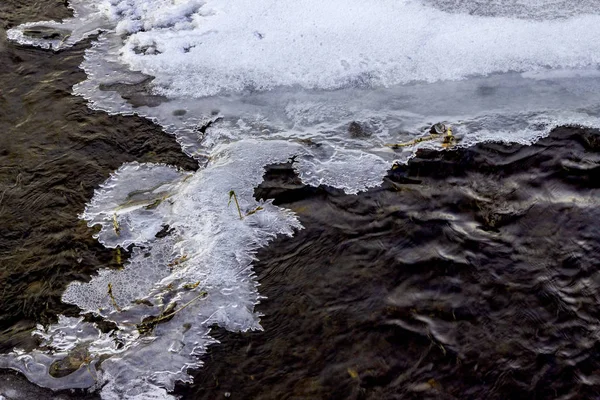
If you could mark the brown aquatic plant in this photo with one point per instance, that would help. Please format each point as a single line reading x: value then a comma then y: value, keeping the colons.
x: 178, y: 261
x: 118, y: 257
x: 116, y: 225
x: 233, y: 196
x: 254, y: 211
x: 191, y: 286
x: 447, y: 140
x: 413, y: 142
x: 112, y: 298
x: 148, y: 324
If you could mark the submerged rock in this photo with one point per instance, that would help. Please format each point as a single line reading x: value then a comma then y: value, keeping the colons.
x: 358, y: 130
x: 46, y: 33
x: 71, y: 363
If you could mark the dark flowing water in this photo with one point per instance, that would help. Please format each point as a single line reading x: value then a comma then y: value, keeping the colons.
x: 54, y: 152
x: 470, y: 274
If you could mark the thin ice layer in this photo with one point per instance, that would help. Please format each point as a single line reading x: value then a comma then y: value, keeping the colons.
x: 86, y: 21
x: 198, y: 276
x: 70, y: 338
x: 271, y: 62
x: 131, y: 206
x: 509, y: 107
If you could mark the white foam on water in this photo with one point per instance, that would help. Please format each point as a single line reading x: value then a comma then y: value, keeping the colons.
x: 244, y: 84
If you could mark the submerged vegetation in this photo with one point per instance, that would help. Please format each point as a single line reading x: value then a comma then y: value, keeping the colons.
x: 112, y: 297
x: 74, y: 360
x: 436, y: 131
x: 116, y: 226
x: 148, y: 324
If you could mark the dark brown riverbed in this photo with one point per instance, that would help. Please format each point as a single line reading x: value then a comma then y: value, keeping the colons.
x: 470, y: 274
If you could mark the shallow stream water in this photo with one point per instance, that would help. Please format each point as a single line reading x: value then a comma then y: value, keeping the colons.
x: 54, y: 152
x: 468, y: 274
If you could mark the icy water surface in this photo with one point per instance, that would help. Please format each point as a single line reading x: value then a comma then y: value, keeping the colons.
x: 458, y: 271
x: 468, y: 275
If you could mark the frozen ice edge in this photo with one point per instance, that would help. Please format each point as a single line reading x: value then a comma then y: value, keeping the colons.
x: 219, y: 249
x: 86, y: 21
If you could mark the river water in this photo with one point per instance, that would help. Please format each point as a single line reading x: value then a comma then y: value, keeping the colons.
x: 468, y: 273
